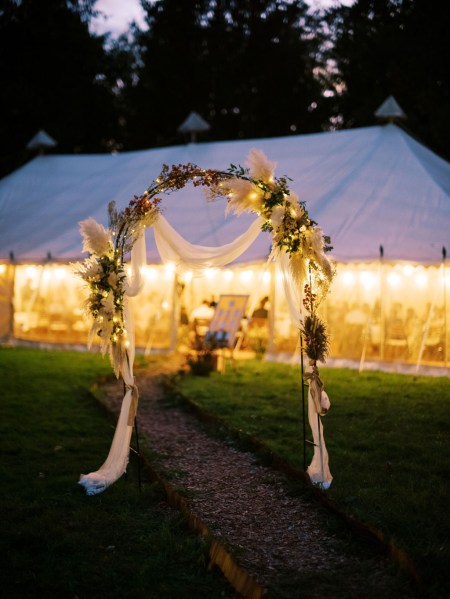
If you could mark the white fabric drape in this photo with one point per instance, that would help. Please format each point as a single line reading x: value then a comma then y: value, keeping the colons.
x: 292, y: 291
x: 174, y: 248
x: 318, y: 405
x: 318, y: 471
x: 135, y: 280
x: 116, y: 463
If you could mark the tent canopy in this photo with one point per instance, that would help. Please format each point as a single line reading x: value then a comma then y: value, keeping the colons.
x: 365, y: 187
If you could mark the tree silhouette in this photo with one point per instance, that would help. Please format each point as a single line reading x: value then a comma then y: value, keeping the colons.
x: 54, y: 76
x: 398, y: 47
x: 246, y: 66
x: 251, y: 68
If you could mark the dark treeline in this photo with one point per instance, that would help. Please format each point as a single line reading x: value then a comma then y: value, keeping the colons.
x: 251, y: 68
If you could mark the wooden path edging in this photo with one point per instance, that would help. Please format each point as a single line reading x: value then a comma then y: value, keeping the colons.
x: 219, y: 556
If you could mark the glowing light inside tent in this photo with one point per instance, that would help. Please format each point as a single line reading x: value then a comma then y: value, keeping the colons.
x: 56, y: 316
x: 408, y: 270
x: 31, y: 272
x: 393, y: 279
x: 169, y: 267
x: 2, y: 269
x: 60, y: 273
x: 210, y: 273
x: 368, y: 279
x: 348, y: 278
x: 169, y: 270
x: 421, y: 279
x: 246, y: 276
x: 149, y: 273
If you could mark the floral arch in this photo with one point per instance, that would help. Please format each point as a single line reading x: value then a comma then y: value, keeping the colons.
x: 298, y: 246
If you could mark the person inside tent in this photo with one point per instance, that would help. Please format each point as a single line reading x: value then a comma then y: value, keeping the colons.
x: 200, y: 319
x: 257, y: 330
x: 204, y: 311
x: 262, y: 310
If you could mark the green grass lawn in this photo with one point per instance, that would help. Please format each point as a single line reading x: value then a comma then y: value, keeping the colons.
x: 55, y: 541
x: 388, y: 440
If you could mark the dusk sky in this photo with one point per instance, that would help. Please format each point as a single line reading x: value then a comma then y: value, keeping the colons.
x: 118, y: 14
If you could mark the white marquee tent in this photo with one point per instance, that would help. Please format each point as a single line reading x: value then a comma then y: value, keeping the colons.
x: 367, y: 188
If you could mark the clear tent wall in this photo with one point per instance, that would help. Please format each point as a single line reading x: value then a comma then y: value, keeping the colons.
x: 378, y: 311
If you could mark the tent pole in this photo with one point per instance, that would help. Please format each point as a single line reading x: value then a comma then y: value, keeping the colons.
x: 271, y: 320
x: 444, y: 256
x: 11, y: 284
x: 175, y: 317
x: 426, y: 329
x: 382, y: 304
x: 364, y: 348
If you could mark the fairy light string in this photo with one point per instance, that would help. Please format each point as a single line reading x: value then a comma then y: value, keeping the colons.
x: 255, y: 189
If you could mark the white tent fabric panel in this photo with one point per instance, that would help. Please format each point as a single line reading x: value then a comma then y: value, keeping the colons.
x: 366, y: 187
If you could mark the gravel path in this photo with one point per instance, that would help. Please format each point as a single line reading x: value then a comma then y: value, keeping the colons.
x: 285, y: 542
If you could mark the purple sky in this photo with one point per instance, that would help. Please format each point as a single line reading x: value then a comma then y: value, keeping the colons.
x: 118, y: 14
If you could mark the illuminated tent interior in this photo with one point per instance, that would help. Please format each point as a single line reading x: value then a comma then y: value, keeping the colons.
x: 382, y: 197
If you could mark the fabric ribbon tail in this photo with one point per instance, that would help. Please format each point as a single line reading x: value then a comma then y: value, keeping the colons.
x: 93, y: 483
x: 318, y: 471
x: 117, y: 461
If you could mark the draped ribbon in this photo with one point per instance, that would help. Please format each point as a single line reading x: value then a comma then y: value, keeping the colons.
x: 172, y: 247
x: 318, y: 395
x: 116, y: 463
x: 318, y: 405
x: 292, y: 290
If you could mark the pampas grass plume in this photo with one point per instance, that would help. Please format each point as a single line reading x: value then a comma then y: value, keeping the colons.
x: 96, y: 239
x: 260, y: 166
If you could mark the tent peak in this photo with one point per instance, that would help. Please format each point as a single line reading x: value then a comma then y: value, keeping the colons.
x: 193, y: 124
x: 41, y: 141
x: 390, y: 110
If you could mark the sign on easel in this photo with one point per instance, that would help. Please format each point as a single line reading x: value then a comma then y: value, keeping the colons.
x: 227, y: 318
